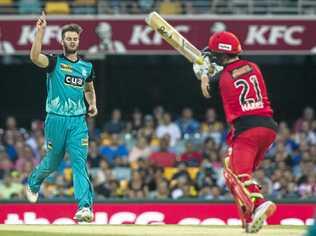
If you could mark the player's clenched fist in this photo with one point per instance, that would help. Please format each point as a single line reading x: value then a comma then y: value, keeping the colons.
x: 203, y: 69
x: 41, y: 22
x: 207, y: 68
x: 93, y: 111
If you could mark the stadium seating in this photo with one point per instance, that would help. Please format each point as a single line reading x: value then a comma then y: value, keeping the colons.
x: 29, y: 7
x: 61, y: 7
x: 307, y: 7
x: 7, y: 7
x: 84, y: 7
x: 170, y: 171
x: 170, y: 7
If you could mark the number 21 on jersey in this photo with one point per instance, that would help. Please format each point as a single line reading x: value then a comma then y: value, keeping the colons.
x: 249, y: 102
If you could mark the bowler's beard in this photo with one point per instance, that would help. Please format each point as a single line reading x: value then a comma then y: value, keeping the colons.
x: 69, y: 50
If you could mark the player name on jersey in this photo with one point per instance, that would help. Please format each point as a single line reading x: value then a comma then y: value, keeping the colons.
x: 249, y: 106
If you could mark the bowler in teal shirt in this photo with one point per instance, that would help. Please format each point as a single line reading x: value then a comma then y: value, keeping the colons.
x: 69, y: 80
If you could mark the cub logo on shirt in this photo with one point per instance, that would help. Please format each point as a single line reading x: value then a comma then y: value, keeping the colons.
x: 74, y: 81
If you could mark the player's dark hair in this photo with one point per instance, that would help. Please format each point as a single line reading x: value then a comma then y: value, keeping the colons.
x: 220, y: 58
x: 231, y: 56
x: 70, y: 28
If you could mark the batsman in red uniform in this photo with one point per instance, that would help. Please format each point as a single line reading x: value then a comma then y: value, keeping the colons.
x: 247, y: 108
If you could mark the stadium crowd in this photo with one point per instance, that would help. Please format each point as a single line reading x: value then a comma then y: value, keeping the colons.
x: 154, y: 156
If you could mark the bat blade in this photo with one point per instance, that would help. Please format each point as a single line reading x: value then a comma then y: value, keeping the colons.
x: 174, y: 38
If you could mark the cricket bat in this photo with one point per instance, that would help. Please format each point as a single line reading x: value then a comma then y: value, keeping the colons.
x: 174, y: 38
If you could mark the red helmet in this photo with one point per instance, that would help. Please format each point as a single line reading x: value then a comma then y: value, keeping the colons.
x: 224, y: 42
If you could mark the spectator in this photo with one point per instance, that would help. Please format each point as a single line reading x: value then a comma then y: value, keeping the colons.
x: 264, y: 182
x: 136, y: 186
x: 162, y: 191
x: 170, y: 128
x: 208, y: 147
x: 170, y: 7
x: 131, y: 7
x: 5, y: 162
x: 115, y: 125
x: 163, y: 157
x: 103, y: 173
x: 36, y: 137
x: 116, y: 153
x: 148, y: 130
x: 140, y: 150
x: 268, y: 166
x: 306, y: 133
x: 94, y: 132
x: 215, y: 193
x: 11, y: 188
x: 292, y: 191
x: 137, y: 121
x: 102, y: 178
x: 84, y: 7
x: 11, y: 124
x: 189, y: 8
x: 154, y: 176
x: 285, y: 137
x: 188, y: 125
x: 104, y: 7
x: 146, y: 6
x: 308, y: 116
x: 94, y: 156
x: 29, y: 6
x: 9, y: 141
x: 206, y: 175
x: 25, y: 155
x: 191, y: 157
x: 158, y: 114
x: 182, y: 173
x: 312, y: 152
x: 211, y: 127
x: 180, y: 188
x: 205, y: 193
x: 307, y: 187
x: 64, y: 187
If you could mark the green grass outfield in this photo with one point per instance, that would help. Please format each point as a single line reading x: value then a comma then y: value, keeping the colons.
x: 146, y: 230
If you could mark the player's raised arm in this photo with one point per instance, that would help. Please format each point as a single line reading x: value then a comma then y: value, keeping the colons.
x: 36, y: 56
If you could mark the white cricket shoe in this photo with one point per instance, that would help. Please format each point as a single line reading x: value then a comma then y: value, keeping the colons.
x: 261, y: 213
x: 84, y: 215
x: 31, y: 197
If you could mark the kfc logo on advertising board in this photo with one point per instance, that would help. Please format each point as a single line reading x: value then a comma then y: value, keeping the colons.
x: 132, y: 35
x: 272, y: 34
x: 52, y: 32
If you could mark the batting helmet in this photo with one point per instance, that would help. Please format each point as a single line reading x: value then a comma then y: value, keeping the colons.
x: 224, y: 42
